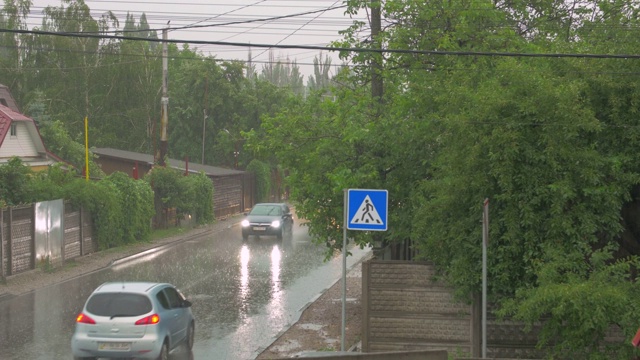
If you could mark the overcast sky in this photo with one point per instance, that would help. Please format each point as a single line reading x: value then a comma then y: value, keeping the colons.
x: 318, y: 27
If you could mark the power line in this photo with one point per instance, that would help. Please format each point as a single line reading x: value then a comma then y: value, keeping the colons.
x: 307, y: 23
x: 228, y: 12
x: 329, y: 48
x: 187, y: 27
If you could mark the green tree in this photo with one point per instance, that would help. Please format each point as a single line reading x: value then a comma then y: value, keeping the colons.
x: 58, y: 141
x: 320, y: 80
x: 283, y: 73
x: 262, y: 173
x: 548, y: 145
x: 13, y: 15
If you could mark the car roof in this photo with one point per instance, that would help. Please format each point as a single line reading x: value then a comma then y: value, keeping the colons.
x: 277, y: 204
x: 141, y: 287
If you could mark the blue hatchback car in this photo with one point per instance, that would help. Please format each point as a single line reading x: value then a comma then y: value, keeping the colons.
x: 142, y: 320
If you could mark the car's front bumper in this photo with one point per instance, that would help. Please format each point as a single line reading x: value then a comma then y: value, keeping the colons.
x: 261, y: 230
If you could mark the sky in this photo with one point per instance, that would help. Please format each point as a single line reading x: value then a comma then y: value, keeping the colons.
x: 317, y: 24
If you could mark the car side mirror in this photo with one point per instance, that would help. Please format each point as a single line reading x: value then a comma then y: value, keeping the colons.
x: 186, y: 303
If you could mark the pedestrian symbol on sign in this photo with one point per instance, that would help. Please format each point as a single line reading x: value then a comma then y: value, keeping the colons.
x: 366, y: 213
x: 366, y: 209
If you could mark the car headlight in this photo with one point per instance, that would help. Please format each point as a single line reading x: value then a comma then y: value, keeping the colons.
x: 245, y: 223
x: 275, y: 223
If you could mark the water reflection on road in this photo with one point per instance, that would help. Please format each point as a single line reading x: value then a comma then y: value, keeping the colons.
x: 243, y: 293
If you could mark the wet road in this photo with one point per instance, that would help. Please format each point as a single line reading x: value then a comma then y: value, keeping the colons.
x: 244, y: 294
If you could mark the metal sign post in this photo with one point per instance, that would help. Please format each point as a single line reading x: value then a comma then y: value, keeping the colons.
x: 344, y: 271
x: 485, y: 243
x: 368, y: 213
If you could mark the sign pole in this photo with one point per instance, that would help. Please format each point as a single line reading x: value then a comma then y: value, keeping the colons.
x: 485, y: 242
x: 86, y: 147
x: 369, y: 213
x: 344, y: 268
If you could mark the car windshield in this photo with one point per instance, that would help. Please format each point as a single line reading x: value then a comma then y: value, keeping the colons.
x: 266, y: 210
x: 119, y: 304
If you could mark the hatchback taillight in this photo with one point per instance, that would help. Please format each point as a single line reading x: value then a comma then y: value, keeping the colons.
x: 84, y: 319
x: 149, y: 320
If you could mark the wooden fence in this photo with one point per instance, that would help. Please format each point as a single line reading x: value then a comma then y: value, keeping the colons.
x: 406, y: 308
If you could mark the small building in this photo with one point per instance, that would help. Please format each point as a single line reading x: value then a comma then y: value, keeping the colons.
x: 233, y: 190
x: 7, y: 100
x: 19, y: 137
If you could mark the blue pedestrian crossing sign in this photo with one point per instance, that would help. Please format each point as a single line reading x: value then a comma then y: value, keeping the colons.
x: 367, y: 209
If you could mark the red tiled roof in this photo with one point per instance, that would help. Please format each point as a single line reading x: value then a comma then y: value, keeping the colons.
x: 6, y: 117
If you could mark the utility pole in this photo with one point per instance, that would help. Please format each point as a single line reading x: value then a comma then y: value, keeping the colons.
x: 164, y: 123
x: 376, y: 64
x: 204, y: 123
x: 204, y: 111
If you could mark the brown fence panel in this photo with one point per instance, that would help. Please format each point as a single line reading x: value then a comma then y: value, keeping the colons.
x: 72, y: 231
x: 22, y: 239
x: 3, y: 244
x: 248, y: 191
x: 405, y: 308
x: 227, y: 195
x: 89, y: 244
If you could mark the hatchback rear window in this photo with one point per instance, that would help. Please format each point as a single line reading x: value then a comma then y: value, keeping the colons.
x: 118, y: 304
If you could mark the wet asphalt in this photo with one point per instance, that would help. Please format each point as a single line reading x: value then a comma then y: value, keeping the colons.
x: 244, y: 294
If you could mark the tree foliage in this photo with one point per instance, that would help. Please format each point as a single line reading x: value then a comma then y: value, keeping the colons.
x: 14, y: 182
x: 60, y: 143
x: 191, y: 194
x: 262, y: 172
x: 550, y: 141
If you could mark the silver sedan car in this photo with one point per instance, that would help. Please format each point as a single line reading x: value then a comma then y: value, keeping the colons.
x: 141, y: 320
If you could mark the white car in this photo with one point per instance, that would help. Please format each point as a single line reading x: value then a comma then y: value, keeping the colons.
x: 142, y: 320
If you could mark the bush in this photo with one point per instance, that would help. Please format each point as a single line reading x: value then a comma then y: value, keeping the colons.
x: 102, y: 200
x: 136, y: 200
x: 187, y: 194
x: 15, y: 178
x: 199, y: 197
x: 262, y: 172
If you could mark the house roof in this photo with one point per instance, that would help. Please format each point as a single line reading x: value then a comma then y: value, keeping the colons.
x: 176, y: 164
x: 6, y: 99
x: 7, y: 116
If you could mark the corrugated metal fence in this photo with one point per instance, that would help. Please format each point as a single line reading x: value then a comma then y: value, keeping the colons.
x: 18, y: 238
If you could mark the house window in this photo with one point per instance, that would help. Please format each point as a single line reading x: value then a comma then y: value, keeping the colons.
x: 14, y: 131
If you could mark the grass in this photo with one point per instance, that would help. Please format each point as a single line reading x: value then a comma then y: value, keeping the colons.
x: 45, y: 264
x: 165, y: 233
x: 326, y: 349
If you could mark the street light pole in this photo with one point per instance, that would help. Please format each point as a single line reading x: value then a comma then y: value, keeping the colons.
x: 204, y: 123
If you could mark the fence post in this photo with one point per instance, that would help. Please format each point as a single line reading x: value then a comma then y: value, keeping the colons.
x: 10, y: 243
x: 81, y: 231
x: 32, y: 234
x: 365, y: 296
x: 63, y: 218
x: 2, y: 276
